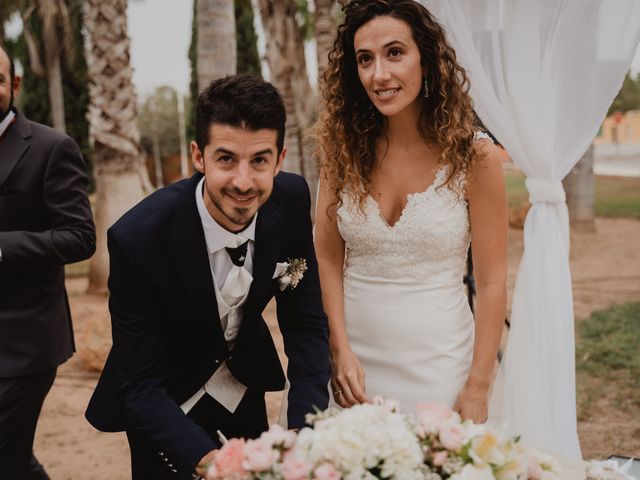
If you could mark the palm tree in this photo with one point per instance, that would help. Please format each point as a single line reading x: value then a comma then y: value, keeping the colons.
x: 326, y: 29
x: 114, y: 132
x: 55, y: 25
x: 285, y: 55
x: 579, y: 186
x: 216, y: 48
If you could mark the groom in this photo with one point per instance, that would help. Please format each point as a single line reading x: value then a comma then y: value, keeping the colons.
x: 192, y: 268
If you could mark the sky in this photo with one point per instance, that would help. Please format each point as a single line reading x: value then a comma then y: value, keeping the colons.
x: 160, y: 33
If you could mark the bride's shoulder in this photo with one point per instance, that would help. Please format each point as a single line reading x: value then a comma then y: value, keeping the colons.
x: 486, y: 170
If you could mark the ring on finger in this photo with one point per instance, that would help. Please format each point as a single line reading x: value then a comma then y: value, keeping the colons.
x: 337, y: 393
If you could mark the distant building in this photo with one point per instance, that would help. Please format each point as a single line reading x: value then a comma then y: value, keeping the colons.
x: 620, y: 129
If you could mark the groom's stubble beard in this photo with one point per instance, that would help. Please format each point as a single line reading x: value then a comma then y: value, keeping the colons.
x: 239, y: 216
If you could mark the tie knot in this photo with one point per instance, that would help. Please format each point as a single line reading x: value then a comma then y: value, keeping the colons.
x: 238, y: 254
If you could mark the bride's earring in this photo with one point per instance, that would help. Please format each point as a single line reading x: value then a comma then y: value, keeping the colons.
x: 426, y: 87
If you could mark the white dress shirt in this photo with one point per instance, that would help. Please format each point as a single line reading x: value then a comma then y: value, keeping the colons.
x: 222, y: 385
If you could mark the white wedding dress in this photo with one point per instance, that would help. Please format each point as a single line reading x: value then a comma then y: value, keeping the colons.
x: 406, y: 310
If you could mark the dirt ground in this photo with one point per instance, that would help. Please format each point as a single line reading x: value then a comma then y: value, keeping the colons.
x: 605, y: 267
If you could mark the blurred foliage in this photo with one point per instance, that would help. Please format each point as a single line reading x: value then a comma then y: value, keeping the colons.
x: 628, y: 97
x: 7, y: 9
x: 304, y: 18
x: 246, y: 40
x: 158, y: 122
x: 34, y: 95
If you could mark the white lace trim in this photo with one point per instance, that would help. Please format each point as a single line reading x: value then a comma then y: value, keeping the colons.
x: 428, y: 243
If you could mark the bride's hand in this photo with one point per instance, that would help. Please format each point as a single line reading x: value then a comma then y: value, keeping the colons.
x: 473, y: 403
x: 347, y: 379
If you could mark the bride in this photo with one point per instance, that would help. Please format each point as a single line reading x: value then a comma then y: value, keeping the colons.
x: 406, y: 184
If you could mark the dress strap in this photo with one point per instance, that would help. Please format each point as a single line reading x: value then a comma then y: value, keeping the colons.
x: 480, y: 135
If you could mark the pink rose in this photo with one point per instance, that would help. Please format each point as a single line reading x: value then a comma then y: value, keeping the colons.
x: 294, y: 469
x: 228, y: 460
x: 534, y: 472
x: 326, y: 471
x: 432, y: 416
x: 439, y: 458
x: 452, y: 437
x: 259, y: 455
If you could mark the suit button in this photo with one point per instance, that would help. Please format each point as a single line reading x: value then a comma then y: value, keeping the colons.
x: 217, y: 361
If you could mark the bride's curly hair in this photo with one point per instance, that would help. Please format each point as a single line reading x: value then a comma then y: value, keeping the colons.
x: 350, y: 125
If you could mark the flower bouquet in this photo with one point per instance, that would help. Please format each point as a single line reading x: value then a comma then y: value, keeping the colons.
x: 376, y: 441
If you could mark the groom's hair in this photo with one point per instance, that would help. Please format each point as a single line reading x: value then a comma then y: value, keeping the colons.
x: 240, y: 101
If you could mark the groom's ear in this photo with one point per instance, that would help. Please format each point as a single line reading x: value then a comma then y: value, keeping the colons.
x: 197, y: 157
x: 283, y: 154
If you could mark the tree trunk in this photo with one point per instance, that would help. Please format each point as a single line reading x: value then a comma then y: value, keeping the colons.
x: 216, y: 28
x: 116, y: 193
x: 56, y: 95
x: 285, y: 54
x: 326, y: 29
x: 184, y: 157
x: 113, y: 129
x: 579, y: 186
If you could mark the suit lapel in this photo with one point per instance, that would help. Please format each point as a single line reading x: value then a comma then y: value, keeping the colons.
x: 188, y: 252
x: 13, y: 146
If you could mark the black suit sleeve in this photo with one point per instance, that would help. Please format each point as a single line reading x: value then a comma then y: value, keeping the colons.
x: 70, y: 234
x: 303, y: 322
x: 137, y: 355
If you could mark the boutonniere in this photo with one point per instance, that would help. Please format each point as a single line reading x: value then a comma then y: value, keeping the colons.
x: 290, y: 273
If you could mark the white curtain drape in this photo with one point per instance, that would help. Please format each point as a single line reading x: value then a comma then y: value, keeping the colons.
x: 543, y: 73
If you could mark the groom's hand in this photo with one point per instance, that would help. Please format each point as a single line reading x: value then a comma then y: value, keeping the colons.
x: 203, y: 464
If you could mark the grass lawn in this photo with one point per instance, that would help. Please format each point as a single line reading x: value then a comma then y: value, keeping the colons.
x: 607, y: 358
x: 615, y: 196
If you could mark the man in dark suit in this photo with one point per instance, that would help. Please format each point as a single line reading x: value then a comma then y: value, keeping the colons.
x: 192, y: 268
x: 45, y: 223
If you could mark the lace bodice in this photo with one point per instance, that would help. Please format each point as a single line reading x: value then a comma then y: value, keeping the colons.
x: 428, y: 243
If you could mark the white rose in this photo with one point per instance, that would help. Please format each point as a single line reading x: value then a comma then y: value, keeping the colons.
x: 470, y: 472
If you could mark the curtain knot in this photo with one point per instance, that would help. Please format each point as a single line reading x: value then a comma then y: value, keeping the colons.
x: 545, y: 190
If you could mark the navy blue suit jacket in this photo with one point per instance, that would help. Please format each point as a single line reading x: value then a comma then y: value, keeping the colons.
x: 167, y: 337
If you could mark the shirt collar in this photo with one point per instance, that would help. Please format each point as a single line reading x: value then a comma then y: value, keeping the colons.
x: 8, y: 120
x: 216, y: 236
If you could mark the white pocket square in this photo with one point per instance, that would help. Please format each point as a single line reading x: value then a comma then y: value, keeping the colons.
x: 281, y: 269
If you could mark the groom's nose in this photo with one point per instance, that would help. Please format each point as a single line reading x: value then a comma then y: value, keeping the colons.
x: 243, y: 178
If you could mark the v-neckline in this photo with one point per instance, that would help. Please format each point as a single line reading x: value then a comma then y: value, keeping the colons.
x: 408, y: 198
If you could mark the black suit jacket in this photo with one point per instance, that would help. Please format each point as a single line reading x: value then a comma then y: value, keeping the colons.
x: 167, y: 336
x: 45, y: 222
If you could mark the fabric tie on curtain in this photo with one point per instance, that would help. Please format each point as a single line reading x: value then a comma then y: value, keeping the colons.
x: 542, y: 190
x: 543, y: 74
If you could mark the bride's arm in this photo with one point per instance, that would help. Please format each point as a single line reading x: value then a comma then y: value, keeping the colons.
x: 486, y: 194
x: 347, y: 376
